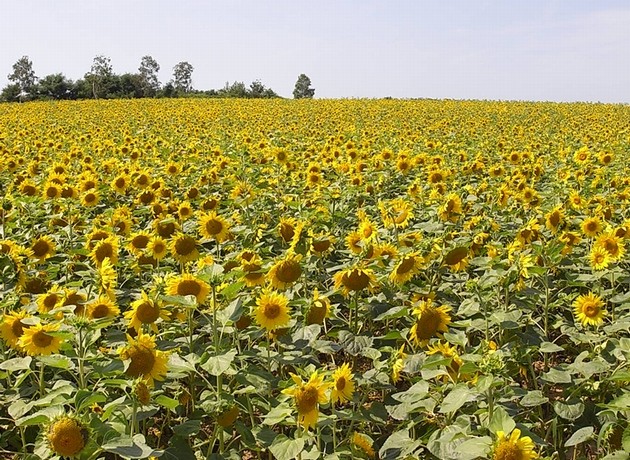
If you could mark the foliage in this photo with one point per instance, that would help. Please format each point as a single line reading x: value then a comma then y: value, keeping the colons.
x: 303, y: 88
x: 182, y: 77
x: 23, y: 75
x: 148, y: 71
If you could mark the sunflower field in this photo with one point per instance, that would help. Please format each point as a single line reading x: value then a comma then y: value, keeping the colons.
x: 328, y: 279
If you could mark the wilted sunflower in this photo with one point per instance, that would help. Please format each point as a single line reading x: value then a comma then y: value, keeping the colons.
x: 37, y: 341
x: 408, y: 265
x: 184, y: 248
x: 589, y: 309
x: 513, y: 447
x: 12, y: 328
x: 272, y: 310
x: 354, y: 279
x: 145, y: 311
x: 343, y: 384
x: 213, y: 226
x: 146, y: 361
x: 430, y: 321
x: 187, y: 284
x: 43, y: 248
x: 67, y: 436
x: 103, y: 307
x: 285, y: 271
x: 307, y: 397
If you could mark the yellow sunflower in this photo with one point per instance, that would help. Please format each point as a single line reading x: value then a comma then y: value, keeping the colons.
x: 285, y: 271
x: 12, y: 328
x: 591, y: 226
x: 105, y: 248
x: 145, y: 311
x: 67, y: 436
x: 145, y: 361
x: 272, y: 310
x: 43, y: 248
x: 184, y: 248
x: 107, y: 278
x: 513, y: 447
x: 430, y: 321
x: 50, y: 299
x: 554, y: 219
x: 187, y: 284
x: 213, y: 226
x: 319, y: 309
x: 139, y: 241
x: 343, y: 384
x: 612, y: 244
x: 355, y: 279
x: 103, y: 307
x: 307, y: 397
x: 408, y: 265
x: 599, y: 258
x: 451, y: 209
x: 589, y: 309
x: 157, y: 247
x: 251, y: 264
x: 36, y: 340
x: 364, y: 444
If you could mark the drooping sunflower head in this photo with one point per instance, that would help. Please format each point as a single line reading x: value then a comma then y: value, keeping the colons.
x: 364, y: 444
x: 430, y: 321
x: 67, y: 436
x: 589, y: 309
x: 320, y: 309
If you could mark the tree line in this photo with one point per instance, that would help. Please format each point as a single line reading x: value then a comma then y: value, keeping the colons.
x: 100, y: 82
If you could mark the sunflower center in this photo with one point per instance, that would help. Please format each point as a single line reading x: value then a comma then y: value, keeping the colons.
x: 289, y: 271
x: 287, y: 231
x: 185, y: 246
x: 554, y: 219
x: 307, y: 400
x: 142, y: 361
x: 214, y: 227
x: 427, y: 325
x: 340, y: 384
x: 611, y: 247
x: 159, y: 248
x: 50, y: 301
x: 591, y: 310
x: 405, y: 266
x: 51, y: 192
x: 356, y: 280
x: 140, y: 241
x: 507, y: 451
x: 321, y: 246
x: 41, y: 248
x: 272, y: 310
x: 41, y: 339
x: 17, y: 328
x: 104, y: 250
x: 591, y: 226
x: 147, y: 312
x: 188, y: 287
x: 100, y: 310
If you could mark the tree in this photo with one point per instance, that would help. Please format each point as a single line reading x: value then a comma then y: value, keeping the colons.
x: 303, y: 88
x: 10, y: 93
x: 56, y: 86
x: 100, y: 71
x: 149, y: 69
x: 23, y: 75
x: 182, y: 77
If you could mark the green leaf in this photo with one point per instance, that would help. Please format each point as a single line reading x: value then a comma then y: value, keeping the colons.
x: 533, y: 398
x: 167, y: 402
x: 557, y: 376
x: 278, y: 414
x: 57, y: 361
x: 625, y: 439
x: 569, y: 412
x: 548, y: 347
x: 178, y: 449
x: 86, y: 398
x: 457, y: 397
x: 474, y: 448
x: 398, y: 445
x: 581, y: 435
x: 128, y: 447
x: 187, y: 428
x: 354, y: 344
x: 501, y: 421
x: 394, y: 312
x: 284, y: 448
x: 16, y: 364
x: 217, y: 365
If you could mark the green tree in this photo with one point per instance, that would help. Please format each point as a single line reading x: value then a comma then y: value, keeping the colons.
x: 303, y: 88
x: 23, y: 75
x: 182, y: 77
x: 56, y: 86
x: 98, y: 75
x: 10, y: 93
x: 149, y: 69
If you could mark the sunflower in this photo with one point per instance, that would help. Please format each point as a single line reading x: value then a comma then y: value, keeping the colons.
x: 36, y: 341
x: 354, y: 242
x: 184, y: 248
x: 12, y: 328
x: 513, y: 447
x: 588, y: 309
x: 447, y: 351
x: 319, y: 310
x: 145, y: 311
x: 591, y: 226
x: 251, y: 264
x: 185, y: 210
x: 451, y: 209
x: 554, y: 219
x: 396, y: 213
x: 105, y: 249
x: 290, y: 229
x: 157, y: 247
x: 51, y: 191
x: 399, y: 364
x: 599, y: 258
x: 321, y: 244
x: 430, y: 321
x: 367, y: 229
x: 407, y: 266
x: 90, y: 198
x: 187, y: 284
x: 50, y: 299
x: 67, y: 436
x: 103, y: 307
x: 76, y: 299
x: 272, y: 310
x: 107, y: 278
x: 139, y: 241
x: 145, y: 361
x: 354, y: 279
x: 363, y: 443
x: 120, y: 183
x: 285, y: 271
x: 43, y: 248
x: 213, y: 226
x: 307, y: 397
x: 612, y: 244
x: 343, y: 384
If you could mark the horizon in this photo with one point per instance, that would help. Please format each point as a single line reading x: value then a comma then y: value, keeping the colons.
x: 540, y: 51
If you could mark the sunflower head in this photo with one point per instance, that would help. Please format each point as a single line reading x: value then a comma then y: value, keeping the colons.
x: 355, y: 279
x: 285, y: 271
x: 343, y: 384
x: 272, y: 310
x: 36, y: 340
x: 307, y: 397
x: 589, y: 309
x: 430, y: 321
x: 513, y: 447
x: 184, y: 248
x: 67, y: 436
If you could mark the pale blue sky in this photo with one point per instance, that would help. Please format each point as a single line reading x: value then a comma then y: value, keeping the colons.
x: 563, y: 50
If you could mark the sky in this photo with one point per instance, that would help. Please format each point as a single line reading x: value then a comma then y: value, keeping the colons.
x: 554, y: 50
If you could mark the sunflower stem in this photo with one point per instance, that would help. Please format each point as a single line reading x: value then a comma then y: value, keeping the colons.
x: 42, y: 382
x: 134, y: 410
x: 334, y: 426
